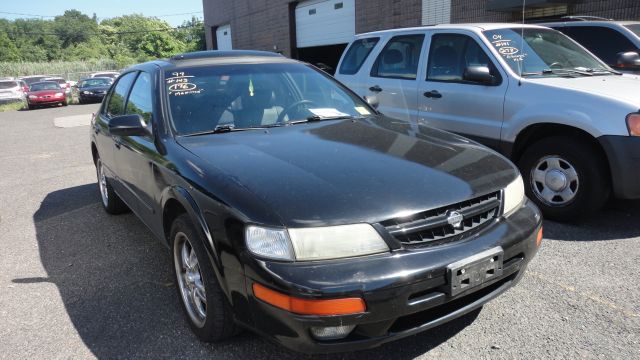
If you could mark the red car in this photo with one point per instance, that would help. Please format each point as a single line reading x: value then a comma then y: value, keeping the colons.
x: 46, y: 93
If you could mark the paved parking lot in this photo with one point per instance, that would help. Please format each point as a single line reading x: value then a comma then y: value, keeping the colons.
x: 78, y: 283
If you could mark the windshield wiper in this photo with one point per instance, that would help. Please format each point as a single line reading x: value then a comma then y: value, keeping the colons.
x: 566, y: 71
x: 315, y: 118
x: 228, y: 128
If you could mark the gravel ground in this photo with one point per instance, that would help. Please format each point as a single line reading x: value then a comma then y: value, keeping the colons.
x: 78, y: 283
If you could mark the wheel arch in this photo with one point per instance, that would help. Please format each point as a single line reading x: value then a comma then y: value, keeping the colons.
x: 535, y: 132
x: 177, y: 201
x: 94, y: 152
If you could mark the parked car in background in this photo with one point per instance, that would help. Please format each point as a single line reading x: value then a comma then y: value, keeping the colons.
x: 64, y: 85
x: 13, y: 91
x: 292, y: 208
x: 109, y: 74
x: 33, y: 78
x: 617, y: 43
x: 46, y: 93
x: 570, y: 122
x: 93, y: 89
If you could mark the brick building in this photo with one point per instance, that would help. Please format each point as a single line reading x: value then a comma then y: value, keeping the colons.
x: 318, y: 30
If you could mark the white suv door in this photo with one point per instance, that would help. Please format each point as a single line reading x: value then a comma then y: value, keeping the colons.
x: 451, y: 98
x: 393, y: 78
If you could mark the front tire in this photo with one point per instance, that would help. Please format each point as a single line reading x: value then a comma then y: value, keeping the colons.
x: 205, y: 305
x: 111, y: 202
x: 566, y: 177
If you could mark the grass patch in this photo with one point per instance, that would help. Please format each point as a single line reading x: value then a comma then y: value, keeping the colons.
x: 13, y: 106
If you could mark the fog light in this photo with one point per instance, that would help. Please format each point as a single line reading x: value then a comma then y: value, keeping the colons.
x: 331, y: 332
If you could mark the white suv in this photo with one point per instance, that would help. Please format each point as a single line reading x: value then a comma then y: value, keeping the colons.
x: 570, y: 122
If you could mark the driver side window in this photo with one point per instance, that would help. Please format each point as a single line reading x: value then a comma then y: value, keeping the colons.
x: 451, y: 54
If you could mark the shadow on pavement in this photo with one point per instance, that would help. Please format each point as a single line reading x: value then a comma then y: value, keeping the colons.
x: 618, y: 220
x: 117, y: 286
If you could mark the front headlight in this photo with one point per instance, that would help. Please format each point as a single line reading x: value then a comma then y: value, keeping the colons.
x: 32, y: 97
x: 319, y: 243
x: 633, y: 124
x: 86, y: 92
x: 513, y: 195
x: 59, y: 94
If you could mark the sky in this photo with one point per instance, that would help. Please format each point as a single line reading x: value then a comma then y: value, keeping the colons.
x: 173, y: 12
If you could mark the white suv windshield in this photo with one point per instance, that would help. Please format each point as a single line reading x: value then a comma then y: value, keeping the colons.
x: 635, y: 28
x: 543, y: 52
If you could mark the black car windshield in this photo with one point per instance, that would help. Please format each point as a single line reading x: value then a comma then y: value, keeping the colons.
x: 95, y: 82
x: 44, y: 86
x: 543, y: 51
x: 635, y: 28
x: 242, y: 96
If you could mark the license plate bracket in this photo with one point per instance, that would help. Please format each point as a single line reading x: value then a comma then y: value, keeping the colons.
x: 475, y: 270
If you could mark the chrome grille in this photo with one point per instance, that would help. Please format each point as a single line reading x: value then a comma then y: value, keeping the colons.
x: 431, y: 227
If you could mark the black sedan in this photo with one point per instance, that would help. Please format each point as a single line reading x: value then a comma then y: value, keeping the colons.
x: 93, y: 89
x: 294, y: 209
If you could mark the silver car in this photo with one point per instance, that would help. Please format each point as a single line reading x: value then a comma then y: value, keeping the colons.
x: 570, y: 122
x: 12, y: 91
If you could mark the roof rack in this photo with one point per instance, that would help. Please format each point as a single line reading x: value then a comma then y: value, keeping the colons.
x: 223, y: 53
x: 584, y: 18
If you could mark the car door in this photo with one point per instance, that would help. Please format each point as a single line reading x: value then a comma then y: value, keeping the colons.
x: 136, y: 156
x: 393, y: 78
x: 449, y: 102
x: 105, y: 143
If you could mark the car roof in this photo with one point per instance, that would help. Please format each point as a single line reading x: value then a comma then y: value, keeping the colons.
x: 215, y: 57
x: 98, y: 78
x: 470, y: 26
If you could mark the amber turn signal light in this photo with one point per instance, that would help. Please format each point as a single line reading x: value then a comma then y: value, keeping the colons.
x: 301, y: 306
x: 633, y: 123
x: 539, y: 237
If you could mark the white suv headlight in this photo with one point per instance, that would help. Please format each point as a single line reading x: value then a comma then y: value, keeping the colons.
x: 319, y: 243
x: 513, y: 195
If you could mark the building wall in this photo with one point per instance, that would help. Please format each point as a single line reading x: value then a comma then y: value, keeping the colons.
x: 372, y: 15
x: 255, y: 24
x: 264, y: 24
x: 474, y: 10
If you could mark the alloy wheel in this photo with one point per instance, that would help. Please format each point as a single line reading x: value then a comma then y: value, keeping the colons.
x: 190, y: 281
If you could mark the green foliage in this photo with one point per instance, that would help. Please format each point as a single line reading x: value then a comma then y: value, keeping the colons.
x: 75, y: 42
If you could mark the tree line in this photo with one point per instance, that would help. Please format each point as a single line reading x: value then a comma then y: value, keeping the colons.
x: 75, y: 36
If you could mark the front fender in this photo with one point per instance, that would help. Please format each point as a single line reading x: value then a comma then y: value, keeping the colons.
x: 197, y: 217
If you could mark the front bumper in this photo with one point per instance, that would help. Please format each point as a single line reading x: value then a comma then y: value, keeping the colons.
x: 46, y: 101
x: 92, y: 97
x: 405, y: 292
x: 623, y: 153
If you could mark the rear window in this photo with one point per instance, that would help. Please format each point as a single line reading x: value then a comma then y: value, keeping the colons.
x: 356, y: 55
x: 7, y: 84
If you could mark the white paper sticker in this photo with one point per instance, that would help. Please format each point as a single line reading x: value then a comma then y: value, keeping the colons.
x: 327, y: 112
x: 362, y: 110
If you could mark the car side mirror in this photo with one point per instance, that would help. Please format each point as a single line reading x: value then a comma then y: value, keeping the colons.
x: 372, y: 100
x: 479, y: 74
x: 128, y: 125
x: 629, y: 59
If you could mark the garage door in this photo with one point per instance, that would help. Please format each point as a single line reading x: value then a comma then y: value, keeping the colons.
x: 325, y: 22
x: 223, y: 37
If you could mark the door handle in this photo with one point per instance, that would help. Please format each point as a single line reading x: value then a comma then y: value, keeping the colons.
x: 433, y: 94
x: 375, y: 88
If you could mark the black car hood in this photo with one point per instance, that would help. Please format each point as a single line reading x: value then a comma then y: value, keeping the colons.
x: 344, y: 171
x: 95, y: 88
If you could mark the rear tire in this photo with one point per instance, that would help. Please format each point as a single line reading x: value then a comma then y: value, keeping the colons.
x: 205, y: 306
x: 111, y: 202
x: 566, y: 177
